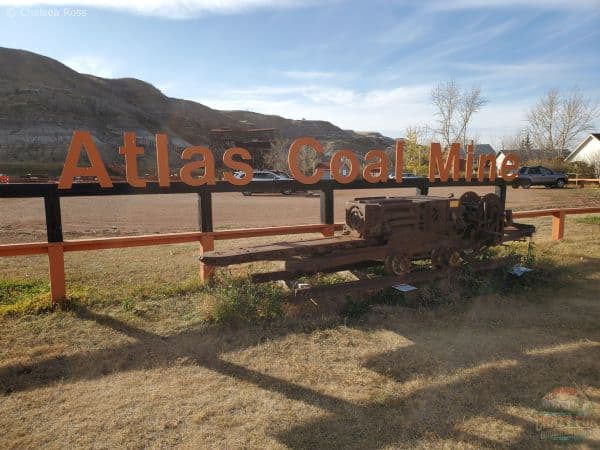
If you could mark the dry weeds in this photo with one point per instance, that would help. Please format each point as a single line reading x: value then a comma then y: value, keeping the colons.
x: 133, y: 364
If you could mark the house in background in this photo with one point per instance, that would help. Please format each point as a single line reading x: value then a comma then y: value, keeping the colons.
x: 588, y: 151
x: 501, y: 155
x: 258, y: 141
x: 344, y: 170
x: 480, y: 149
x: 326, y: 170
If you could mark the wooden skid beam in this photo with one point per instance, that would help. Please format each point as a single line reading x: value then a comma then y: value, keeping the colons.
x: 340, y: 258
x: 387, y: 281
x: 517, y: 231
x: 288, y: 275
x: 281, y: 251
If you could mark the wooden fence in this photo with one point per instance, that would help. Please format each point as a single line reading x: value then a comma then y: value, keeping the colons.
x: 558, y: 217
x: 56, y: 246
x: 582, y: 182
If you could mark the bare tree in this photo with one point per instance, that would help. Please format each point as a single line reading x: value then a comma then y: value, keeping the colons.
x: 594, y: 161
x: 455, y: 109
x: 508, y: 142
x: 275, y: 158
x: 556, y: 121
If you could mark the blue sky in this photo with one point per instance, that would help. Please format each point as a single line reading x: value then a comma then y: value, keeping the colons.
x: 366, y: 65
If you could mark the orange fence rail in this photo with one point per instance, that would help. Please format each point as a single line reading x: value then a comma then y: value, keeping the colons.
x: 581, y: 182
x: 558, y: 217
x: 56, y: 250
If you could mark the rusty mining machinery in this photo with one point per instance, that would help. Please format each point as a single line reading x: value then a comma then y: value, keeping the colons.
x: 395, y: 231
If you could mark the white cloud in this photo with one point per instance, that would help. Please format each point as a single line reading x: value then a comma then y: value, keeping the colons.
x: 445, y: 5
x: 93, y: 65
x: 444, y: 51
x: 388, y: 111
x: 309, y: 75
x: 532, y: 71
x: 375, y: 110
x: 175, y: 9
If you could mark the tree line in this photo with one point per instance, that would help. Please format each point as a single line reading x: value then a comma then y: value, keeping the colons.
x: 554, y: 124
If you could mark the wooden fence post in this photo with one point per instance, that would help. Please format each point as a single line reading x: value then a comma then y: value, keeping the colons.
x: 328, y: 231
x: 558, y: 225
x: 207, y: 244
x: 56, y: 265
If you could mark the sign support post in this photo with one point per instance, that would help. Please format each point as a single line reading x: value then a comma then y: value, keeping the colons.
x: 56, y: 257
x: 207, y: 243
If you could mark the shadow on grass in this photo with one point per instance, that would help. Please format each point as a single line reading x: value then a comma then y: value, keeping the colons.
x: 437, y: 390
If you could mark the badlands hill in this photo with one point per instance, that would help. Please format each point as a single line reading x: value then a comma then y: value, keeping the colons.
x: 42, y: 101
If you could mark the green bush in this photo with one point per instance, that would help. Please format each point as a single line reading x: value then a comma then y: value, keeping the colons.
x: 24, y: 296
x: 589, y: 220
x: 241, y: 300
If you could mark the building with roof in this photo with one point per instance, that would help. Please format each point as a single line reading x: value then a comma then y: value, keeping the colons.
x: 588, y: 151
x: 478, y: 150
x: 258, y: 141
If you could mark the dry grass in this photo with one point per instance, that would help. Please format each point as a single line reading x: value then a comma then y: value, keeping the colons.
x: 133, y: 364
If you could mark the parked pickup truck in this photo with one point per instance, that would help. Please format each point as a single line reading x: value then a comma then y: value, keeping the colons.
x: 539, y: 176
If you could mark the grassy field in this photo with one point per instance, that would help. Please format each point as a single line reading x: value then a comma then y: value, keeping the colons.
x: 143, y: 356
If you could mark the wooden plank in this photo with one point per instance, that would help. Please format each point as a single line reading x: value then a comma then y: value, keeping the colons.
x: 24, y: 249
x: 338, y: 258
x: 288, y: 275
x: 516, y: 232
x: 553, y: 211
x: 379, y: 283
x: 534, y: 213
x: 274, y: 231
x: 77, y: 245
x: 281, y: 250
x: 193, y: 236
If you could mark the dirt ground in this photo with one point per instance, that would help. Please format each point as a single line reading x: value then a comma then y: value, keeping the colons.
x: 133, y: 364
x: 22, y: 220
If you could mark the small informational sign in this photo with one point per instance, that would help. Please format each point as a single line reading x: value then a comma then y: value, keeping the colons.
x: 519, y: 270
x: 404, y: 287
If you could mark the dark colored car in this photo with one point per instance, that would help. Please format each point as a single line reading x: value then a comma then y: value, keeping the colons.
x: 266, y: 176
x: 405, y: 175
x: 539, y: 176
